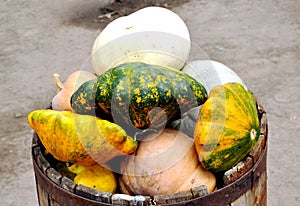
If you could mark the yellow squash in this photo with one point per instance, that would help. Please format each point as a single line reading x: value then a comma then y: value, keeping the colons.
x: 96, y: 176
x: 80, y: 139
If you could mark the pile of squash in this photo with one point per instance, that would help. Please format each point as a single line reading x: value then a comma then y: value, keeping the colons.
x: 148, y: 122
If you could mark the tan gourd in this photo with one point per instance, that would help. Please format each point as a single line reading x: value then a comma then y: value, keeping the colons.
x: 61, y: 101
x: 164, y: 163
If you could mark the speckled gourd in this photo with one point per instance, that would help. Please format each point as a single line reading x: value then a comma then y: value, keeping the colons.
x: 139, y: 95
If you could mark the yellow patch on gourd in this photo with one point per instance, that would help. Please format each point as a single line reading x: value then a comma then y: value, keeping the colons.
x: 138, y: 99
x: 96, y: 177
x: 137, y: 91
x: 82, y: 99
x: 168, y: 94
x: 142, y: 80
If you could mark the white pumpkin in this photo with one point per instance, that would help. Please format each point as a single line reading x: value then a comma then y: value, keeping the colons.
x: 211, y: 73
x: 152, y: 35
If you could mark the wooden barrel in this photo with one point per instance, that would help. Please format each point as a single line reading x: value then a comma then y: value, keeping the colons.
x: 243, y: 185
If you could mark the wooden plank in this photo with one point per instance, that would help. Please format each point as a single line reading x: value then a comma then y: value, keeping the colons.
x: 263, y: 124
x: 128, y: 200
x: 52, y: 202
x: 199, y: 191
x: 35, y: 140
x: 148, y: 201
x: 42, y: 196
x: 260, y: 190
x: 42, y: 163
x: 256, y: 196
x: 119, y: 202
x: 173, y: 198
x: 36, y: 151
x: 53, y: 175
x: 140, y: 200
x: 92, y: 194
x: 238, y: 171
x: 68, y: 184
x: 245, y: 200
x: 260, y: 108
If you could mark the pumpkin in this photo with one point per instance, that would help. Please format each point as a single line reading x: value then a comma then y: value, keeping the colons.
x: 80, y: 139
x: 96, y: 176
x: 61, y: 101
x: 139, y: 95
x: 164, y: 163
x: 152, y: 35
x: 211, y: 73
x: 227, y: 127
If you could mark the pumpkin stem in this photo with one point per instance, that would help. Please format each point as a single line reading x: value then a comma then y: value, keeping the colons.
x: 252, y: 134
x: 58, y: 83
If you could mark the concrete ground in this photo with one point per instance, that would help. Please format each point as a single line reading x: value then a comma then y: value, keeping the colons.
x: 258, y: 39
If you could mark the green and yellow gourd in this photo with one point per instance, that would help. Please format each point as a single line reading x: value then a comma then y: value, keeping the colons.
x: 80, y: 139
x: 139, y: 95
x: 227, y: 127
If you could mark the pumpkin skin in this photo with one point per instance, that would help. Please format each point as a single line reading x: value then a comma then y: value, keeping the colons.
x: 227, y: 127
x: 211, y: 73
x: 80, y: 139
x: 164, y: 163
x: 152, y: 35
x: 139, y: 95
x: 61, y: 101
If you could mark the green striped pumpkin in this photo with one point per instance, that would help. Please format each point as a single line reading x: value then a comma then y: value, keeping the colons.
x: 227, y: 127
x: 139, y: 95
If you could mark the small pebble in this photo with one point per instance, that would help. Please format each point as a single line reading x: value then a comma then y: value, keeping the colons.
x: 18, y: 114
x: 219, y: 48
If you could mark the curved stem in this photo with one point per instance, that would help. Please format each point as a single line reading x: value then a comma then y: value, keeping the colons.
x: 59, y: 85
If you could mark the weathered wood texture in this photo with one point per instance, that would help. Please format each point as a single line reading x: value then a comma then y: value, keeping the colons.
x: 243, y: 185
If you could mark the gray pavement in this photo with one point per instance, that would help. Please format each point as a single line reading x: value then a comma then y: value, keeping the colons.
x: 258, y: 39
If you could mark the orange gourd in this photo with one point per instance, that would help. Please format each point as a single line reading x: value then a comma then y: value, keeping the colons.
x: 164, y: 163
x: 61, y: 101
